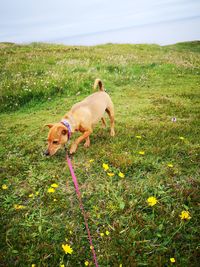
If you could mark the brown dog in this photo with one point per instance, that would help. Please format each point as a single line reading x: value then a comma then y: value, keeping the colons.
x: 82, y: 117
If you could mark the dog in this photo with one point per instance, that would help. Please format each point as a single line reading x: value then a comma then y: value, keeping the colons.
x: 82, y: 117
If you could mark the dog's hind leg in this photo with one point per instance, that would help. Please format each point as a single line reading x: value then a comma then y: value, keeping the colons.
x: 103, y: 122
x: 110, y: 111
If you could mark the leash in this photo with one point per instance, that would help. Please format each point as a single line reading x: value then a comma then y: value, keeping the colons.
x: 78, y: 193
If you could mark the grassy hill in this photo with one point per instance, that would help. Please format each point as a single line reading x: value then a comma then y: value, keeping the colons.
x: 149, y: 85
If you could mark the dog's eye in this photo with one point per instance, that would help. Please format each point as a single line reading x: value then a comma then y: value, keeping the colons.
x: 55, y: 142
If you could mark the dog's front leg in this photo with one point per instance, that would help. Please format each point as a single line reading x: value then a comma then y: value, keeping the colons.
x: 79, y: 140
x: 87, y: 142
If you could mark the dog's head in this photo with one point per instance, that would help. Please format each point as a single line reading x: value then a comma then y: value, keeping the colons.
x: 57, y: 138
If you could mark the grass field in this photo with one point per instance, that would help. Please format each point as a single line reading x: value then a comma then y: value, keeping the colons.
x: 159, y: 158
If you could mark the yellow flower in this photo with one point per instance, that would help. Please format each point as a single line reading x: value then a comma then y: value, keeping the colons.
x: 91, y: 247
x: 37, y: 193
x: 181, y: 138
x: 33, y: 265
x: 54, y: 185
x: 19, y: 207
x: 91, y: 160
x: 110, y: 174
x: 141, y: 152
x: 107, y: 232
x: 67, y: 249
x: 138, y: 136
x: 170, y: 165
x: 31, y: 195
x: 120, y: 265
x: 121, y: 174
x: 62, y: 265
x: 51, y: 190
x: 172, y: 260
x: 86, y: 263
x: 185, y: 215
x: 54, y: 199
x: 70, y: 232
x: 4, y: 187
x: 152, y: 201
x: 105, y: 166
x: 101, y: 234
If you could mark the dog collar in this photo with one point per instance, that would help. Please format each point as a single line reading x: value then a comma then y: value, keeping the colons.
x: 66, y: 124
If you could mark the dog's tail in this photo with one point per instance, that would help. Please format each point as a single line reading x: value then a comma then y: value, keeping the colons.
x: 99, y: 83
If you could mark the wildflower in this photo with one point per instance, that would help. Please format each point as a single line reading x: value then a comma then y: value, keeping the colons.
x: 174, y: 119
x: 30, y: 195
x: 37, y: 193
x: 185, y: 215
x: 170, y: 165
x: 86, y: 263
x: 51, y: 190
x: 54, y: 200
x: 62, y: 265
x: 91, y: 160
x: 105, y: 166
x: 107, y: 232
x: 141, y: 152
x: 121, y: 175
x: 172, y: 260
x: 91, y: 247
x: 138, y: 136
x: 18, y: 207
x: 54, y: 185
x: 101, y: 234
x: 110, y: 174
x: 181, y: 138
x: 120, y: 265
x: 152, y: 201
x: 4, y: 187
x: 33, y: 265
x: 67, y: 249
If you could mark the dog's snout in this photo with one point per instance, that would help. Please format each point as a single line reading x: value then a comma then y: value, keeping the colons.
x: 46, y: 153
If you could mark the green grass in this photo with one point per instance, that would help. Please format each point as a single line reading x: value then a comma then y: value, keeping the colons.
x: 149, y: 85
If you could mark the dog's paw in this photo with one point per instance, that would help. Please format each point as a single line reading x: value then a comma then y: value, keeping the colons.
x: 112, y: 132
x: 87, y: 144
x: 73, y: 148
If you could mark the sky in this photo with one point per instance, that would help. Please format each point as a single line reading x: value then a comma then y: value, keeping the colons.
x: 91, y: 22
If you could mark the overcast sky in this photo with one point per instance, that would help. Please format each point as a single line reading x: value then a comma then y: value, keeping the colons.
x: 88, y: 22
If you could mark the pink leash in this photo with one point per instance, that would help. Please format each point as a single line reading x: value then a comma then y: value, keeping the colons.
x: 82, y: 208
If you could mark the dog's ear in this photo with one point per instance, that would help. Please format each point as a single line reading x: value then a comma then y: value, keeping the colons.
x: 50, y: 125
x: 62, y: 129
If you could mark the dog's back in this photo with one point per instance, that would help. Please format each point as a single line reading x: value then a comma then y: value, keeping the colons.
x: 93, y: 106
